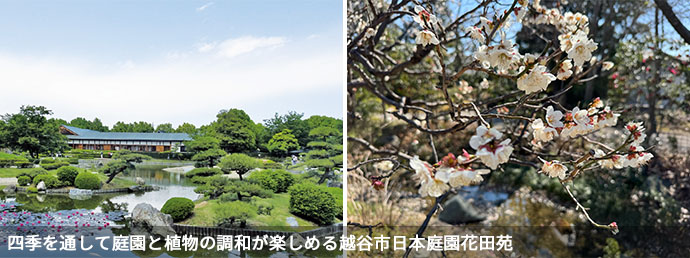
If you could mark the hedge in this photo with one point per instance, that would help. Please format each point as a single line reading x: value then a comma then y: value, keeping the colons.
x: 87, y: 180
x: 179, y: 208
x: 50, y: 181
x: 67, y: 174
x: 203, y: 172
x: 51, y: 166
x: 232, y: 213
x: 337, y: 193
x: 23, y: 180
x: 31, y: 173
x: 313, y: 203
x: 8, y: 160
x: 277, y: 181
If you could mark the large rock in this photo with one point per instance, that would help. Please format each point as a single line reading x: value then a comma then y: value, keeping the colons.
x: 457, y: 211
x: 147, y: 220
x: 140, y: 181
x: 10, y: 189
x: 41, y: 186
x: 80, y: 194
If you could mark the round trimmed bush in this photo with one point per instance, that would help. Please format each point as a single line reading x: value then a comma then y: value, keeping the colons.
x: 179, y: 208
x: 32, y: 189
x: 87, y: 180
x: 313, y: 203
x: 67, y: 174
x: 203, y: 172
x: 277, y: 181
x: 23, y: 180
x: 49, y: 180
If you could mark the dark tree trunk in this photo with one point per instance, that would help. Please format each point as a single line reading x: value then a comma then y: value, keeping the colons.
x: 110, y: 178
x: 673, y: 20
x: 324, y: 176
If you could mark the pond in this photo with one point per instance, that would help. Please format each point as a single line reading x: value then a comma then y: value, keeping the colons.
x: 171, y: 185
x: 100, y: 215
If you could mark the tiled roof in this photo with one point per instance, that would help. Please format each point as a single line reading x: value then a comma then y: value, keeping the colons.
x: 86, y: 134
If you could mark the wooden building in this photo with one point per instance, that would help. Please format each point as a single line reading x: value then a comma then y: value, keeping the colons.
x: 85, y: 139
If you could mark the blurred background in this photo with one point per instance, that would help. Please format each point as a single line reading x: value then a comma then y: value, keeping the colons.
x: 649, y: 43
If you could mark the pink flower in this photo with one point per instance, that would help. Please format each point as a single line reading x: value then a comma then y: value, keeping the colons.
x: 378, y: 185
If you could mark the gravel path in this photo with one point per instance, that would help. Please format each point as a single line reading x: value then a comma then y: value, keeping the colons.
x: 8, y: 181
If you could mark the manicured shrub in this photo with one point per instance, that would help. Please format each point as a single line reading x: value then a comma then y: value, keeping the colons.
x: 277, y: 181
x: 67, y: 174
x: 23, y: 180
x: 179, y: 208
x: 200, y: 180
x: 313, y: 203
x: 87, y: 180
x: 233, y: 213
x: 31, y: 173
x: 73, y: 161
x: 203, y: 172
x: 337, y: 193
x: 32, y: 189
x: 56, y: 165
x: 23, y: 164
x: 270, y: 164
x: 50, y: 181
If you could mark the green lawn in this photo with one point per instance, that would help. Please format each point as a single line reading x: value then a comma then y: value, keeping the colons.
x: 204, y: 214
x: 12, y: 172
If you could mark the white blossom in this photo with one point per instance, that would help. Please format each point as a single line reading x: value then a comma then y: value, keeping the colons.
x: 607, y: 65
x: 432, y: 183
x: 637, y: 132
x: 426, y: 37
x: 484, y: 84
x: 565, y: 70
x: 542, y: 133
x: 553, y: 118
x: 554, y: 169
x: 465, y: 177
x: 484, y: 135
x: 475, y: 33
x: 581, y: 50
x: 424, y: 16
x: 492, y: 154
x: 536, y: 80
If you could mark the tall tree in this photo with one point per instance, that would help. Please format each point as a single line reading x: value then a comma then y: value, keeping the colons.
x: 186, y: 128
x: 84, y: 123
x: 293, y: 121
x: 122, y: 127
x: 238, y: 163
x: 325, y: 153
x: 165, y: 128
x: 30, y: 131
x: 234, y: 129
x: 282, y: 142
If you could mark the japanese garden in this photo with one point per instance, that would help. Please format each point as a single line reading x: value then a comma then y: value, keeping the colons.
x: 58, y: 176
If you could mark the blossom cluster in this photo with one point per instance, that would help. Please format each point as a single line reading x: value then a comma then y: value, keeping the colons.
x: 577, y: 122
x: 454, y: 171
x: 451, y: 171
x: 635, y: 155
x: 534, y: 76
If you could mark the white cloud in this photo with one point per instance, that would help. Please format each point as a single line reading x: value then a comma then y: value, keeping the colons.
x: 203, y: 7
x: 191, y: 87
x: 238, y: 46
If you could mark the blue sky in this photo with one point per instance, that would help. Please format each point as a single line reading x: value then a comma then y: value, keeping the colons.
x: 171, y: 61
